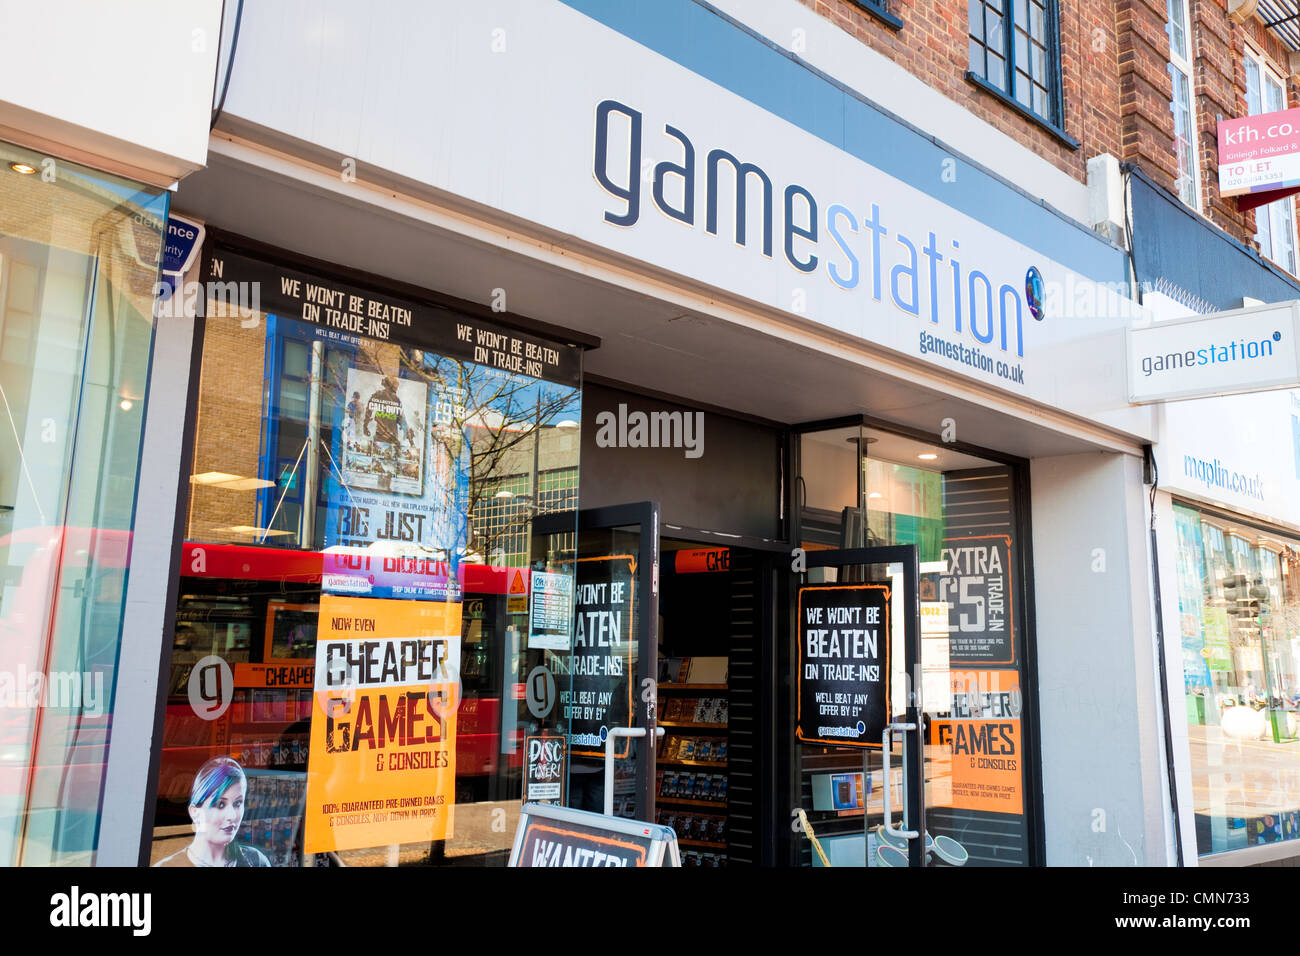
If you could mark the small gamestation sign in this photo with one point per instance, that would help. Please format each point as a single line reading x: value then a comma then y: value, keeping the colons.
x: 843, y: 664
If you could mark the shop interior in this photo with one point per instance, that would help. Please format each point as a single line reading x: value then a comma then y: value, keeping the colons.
x: 706, y: 600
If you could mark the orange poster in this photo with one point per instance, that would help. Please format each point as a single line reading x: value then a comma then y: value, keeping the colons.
x: 983, y: 742
x: 382, y: 766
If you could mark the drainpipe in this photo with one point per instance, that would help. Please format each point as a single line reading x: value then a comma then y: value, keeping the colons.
x: 1152, y: 478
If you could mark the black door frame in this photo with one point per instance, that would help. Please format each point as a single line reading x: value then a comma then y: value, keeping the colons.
x: 914, y: 740
x: 1027, y: 647
x: 644, y: 515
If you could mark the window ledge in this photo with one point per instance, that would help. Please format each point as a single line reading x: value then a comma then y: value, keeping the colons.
x: 1059, y: 134
x: 879, y: 12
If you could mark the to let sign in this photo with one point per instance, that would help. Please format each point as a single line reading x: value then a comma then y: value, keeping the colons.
x: 1259, y: 157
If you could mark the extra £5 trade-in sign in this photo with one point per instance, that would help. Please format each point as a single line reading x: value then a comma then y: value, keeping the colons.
x: 976, y: 586
x: 843, y: 664
x: 382, y: 765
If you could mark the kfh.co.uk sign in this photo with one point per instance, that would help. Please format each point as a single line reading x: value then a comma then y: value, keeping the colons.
x: 1259, y: 157
x: 969, y: 313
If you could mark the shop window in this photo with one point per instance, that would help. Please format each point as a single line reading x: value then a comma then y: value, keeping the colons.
x: 79, y: 254
x: 1239, y: 613
x: 361, y: 494
x: 1275, y: 222
x: 1014, y: 51
x: 1182, y: 105
x: 865, y: 487
x: 880, y: 10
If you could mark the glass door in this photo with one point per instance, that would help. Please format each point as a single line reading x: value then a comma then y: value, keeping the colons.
x: 858, y: 716
x: 860, y: 487
x: 597, y: 648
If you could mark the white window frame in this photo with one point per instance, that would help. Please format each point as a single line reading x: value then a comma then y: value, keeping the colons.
x: 1180, y: 66
x: 1282, y: 211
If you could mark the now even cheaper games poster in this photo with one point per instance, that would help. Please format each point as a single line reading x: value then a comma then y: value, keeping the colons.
x: 983, y: 741
x: 843, y: 665
x: 382, y: 764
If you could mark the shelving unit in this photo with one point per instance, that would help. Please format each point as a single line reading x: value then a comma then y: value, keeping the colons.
x: 701, y: 823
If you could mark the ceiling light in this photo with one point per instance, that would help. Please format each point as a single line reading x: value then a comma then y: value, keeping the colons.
x: 22, y: 168
x: 566, y: 424
x: 213, y: 478
x: 504, y: 494
x: 246, y: 484
x: 875, y: 494
x: 249, y: 529
x: 223, y: 479
x: 125, y: 404
x: 928, y: 456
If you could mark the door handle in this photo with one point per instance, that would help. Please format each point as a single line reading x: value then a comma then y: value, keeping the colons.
x: 611, y: 736
x: 886, y: 745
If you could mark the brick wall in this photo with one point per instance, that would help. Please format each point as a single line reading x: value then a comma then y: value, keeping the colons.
x: 934, y: 45
x: 1115, y: 81
x: 1146, y: 89
x: 228, y: 429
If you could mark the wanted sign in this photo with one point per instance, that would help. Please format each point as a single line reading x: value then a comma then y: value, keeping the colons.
x: 976, y: 586
x: 559, y: 836
x: 843, y: 665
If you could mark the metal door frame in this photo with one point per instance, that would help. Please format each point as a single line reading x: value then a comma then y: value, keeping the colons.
x: 914, y: 742
x: 645, y: 515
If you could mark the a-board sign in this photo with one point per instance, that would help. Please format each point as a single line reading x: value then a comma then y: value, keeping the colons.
x: 545, y: 765
x: 843, y: 664
x: 559, y: 836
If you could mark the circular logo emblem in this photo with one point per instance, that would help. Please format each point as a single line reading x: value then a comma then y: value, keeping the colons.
x: 340, y: 691
x: 211, y: 687
x: 1034, y: 292
x: 604, y: 733
x: 540, y: 691
x: 444, y: 698
x: 862, y: 728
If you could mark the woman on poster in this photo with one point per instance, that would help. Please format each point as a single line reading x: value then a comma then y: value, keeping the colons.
x: 216, y: 811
